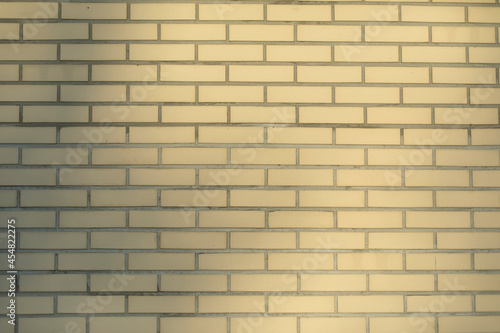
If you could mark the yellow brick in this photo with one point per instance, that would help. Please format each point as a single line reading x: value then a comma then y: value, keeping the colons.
x: 300, y: 177
x: 193, y: 73
x: 366, y: 13
x: 231, y: 177
x: 440, y: 303
x: 162, y: 94
x: 486, y: 261
x: 27, y: 177
x: 162, y: 11
x: 262, y: 198
x: 29, y: 10
x: 9, y: 73
x: 368, y: 178
x: 161, y: 304
x: 124, y: 325
x: 299, y: 94
x: 262, y: 156
x: 92, y: 135
x: 263, y: 114
x: 296, y: 53
x: 123, y: 73
x: 101, y: 93
x: 468, y: 199
x: 162, y: 177
x: 402, y: 324
x: 129, y: 240
x: 331, y: 198
x: 34, y: 305
x: 263, y: 282
x: 367, y: 136
x: 477, y: 96
x: 439, y: 54
x: 437, y: 178
x: 329, y: 33
x: 193, y: 324
x: 55, y: 73
x: 484, y: 14
x: 263, y: 240
x: 188, y: 282
x: 488, y: 178
x: 31, y: 262
x: 94, y: 11
x: 193, y: 198
x: 369, y: 261
x: 485, y: 136
x: 219, y: 134
x: 91, y: 261
x: 328, y: 74
x: 295, y: 135
x: 436, y: 136
x: 162, y: 52
x: 367, y: 95
x: 266, y: 324
x: 55, y: 31
x: 161, y: 261
x: 52, y: 324
x: 8, y: 113
x: 370, y: 304
x: 120, y: 114
x: 53, y: 282
x: 232, y: 219
x: 398, y: 240
x: 124, y: 32
x: 300, y: 261
x: 118, y: 198
x: 92, y: 219
x: 160, y: 219
x: 230, y: 53
x: 377, y: 219
x: 325, y: 325
x: 261, y: 73
x: 53, y: 198
x: 399, y: 198
x: 325, y: 115
x: 53, y: 240
x: 231, y: 12
x: 331, y: 156
x: 302, y: 304
x: 399, y: 282
x: 19, y: 52
x: 333, y: 282
x: 254, y: 32
x: 398, y: 115
x: 466, y: 282
x: 220, y: 94
x: 400, y: 34
x: 194, y: 114
x: 463, y: 35
x: 463, y: 75
x: 194, y: 155
x: 487, y: 303
x: 437, y: 219
x: 54, y: 156
x: 458, y: 157
x: 8, y: 198
x: 231, y: 304
x: 432, y: 14
x: 193, y: 31
x: 396, y: 75
x: 161, y: 134
x: 29, y: 219
x: 193, y: 240
x: 299, y: 13
x: 486, y: 219
x: 93, y: 52
x: 331, y: 240
x: 28, y: 93
x: 231, y: 261
x: 83, y: 304
x: 103, y: 156
x: 468, y: 240
x: 426, y: 95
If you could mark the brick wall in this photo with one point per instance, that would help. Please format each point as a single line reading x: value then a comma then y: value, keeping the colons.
x: 251, y: 166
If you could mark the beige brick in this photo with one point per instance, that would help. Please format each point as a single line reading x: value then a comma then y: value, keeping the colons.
x: 120, y: 239
x: 468, y: 199
x: 266, y: 324
x: 92, y: 176
x: 398, y: 115
x: 194, y: 114
x: 161, y: 134
x: 299, y: 94
x: 92, y: 135
x: 440, y: 303
x: 28, y: 93
x: 193, y: 324
x: 30, y: 261
x: 123, y: 324
x: 402, y: 324
x: 231, y: 12
x: 368, y: 178
x: 102, y: 93
x: 162, y: 11
x: 468, y: 282
x: 124, y: 73
x: 55, y: 113
x: 193, y: 240
x: 436, y: 136
x: 432, y: 14
x: 329, y: 74
x: 468, y: 240
x: 231, y: 219
x: 9, y: 31
x: 300, y: 177
x: 55, y: 73
x: 358, y: 95
x: 329, y: 33
x: 231, y: 261
x: 193, y: 73
x: 333, y: 282
x: 119, y: 198
x: 325, y: 325
x: 398, y: 240
x: 231, y: 177
x: 33, y: 305
x: 484, y: 14
x: 84, y: 304
x: 299, y: 53
x: 370, y: 304
x: 437, y: 219
x: 399, y: 198
x: 162, y: 52
x: 485, y: 136
x: 29, y: 219
x: 369, y: 261
x: 8, y: 198
x: 27, y: 177
x: 487, y: 303
x: 438, y: 261
x: 367, y: 136
x: 161, y: 304
x: 299, y: 13
x: 194, y: 155
x: 19, y: 52
x: 52, y: 283
x: 219, y: 134
x: 400, y: 282
x: 9, y: 73
x: 302, y: 304
x: 457, y: 157
x: 73, y: 31
x: 92, y: 219
x: 193, y: 198
x: 231, y: 304
x: 486, y: 261
x: 135, y: 156
x: 94, y: 11
x: 396, y: 75
x: 433, y: 54
x: 230, y: 52
x: 463, y: 75
x: 52, y: 324
x: 263, y: 240
x: 366, y: 13
x: 441, y: 95
x: 376, y: 219
x: 241, y: 32
x: 28, y: 10
x: 301, y: 261
x: 193, y: 32
x: 262, y: 198
x: 9, y: 113
x: 331, y: 240
x: 162, y: 94
x: 322, y: 115
x: 21, y: 135
x: 123, y: 282
x: 463, y: 34
x: 220, y: 94
x: 488, y: 178
x: 300, y: 219
x: 248, y: 73
x: 437, y: 178
x: 161, y: 261
x: 399, y: 157
x: 262, y: 156
x: 326, y: 198
x: 263, y: 282
x: 124, y: 31
x: 468, y: 324
x: 296, y: 135
x: 477, y: 96
x: 263, y: 114
x: 91, y: 261
x: 162, y: 177
x: 160, y: 219
x: 53, y: 198
x: 486, y: 219
x: 189, y: 282
x: 93, y: 52
x: 400, y: 34
x: 331, y: 156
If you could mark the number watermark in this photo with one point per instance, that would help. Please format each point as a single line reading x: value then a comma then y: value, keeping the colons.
x: 12, y: 277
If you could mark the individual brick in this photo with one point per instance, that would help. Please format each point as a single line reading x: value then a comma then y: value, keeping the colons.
x: 463, y: 75
x: 90, y: 52
x: 53, y: 198
x: 486, y: 219
x: 48, y: 31
x: 485, y: 136
x: 231, y: 12
x: 263, y: 240
x: 162, y: 93
x: 72, y: 176
x: 262, y: 156
x: 91, y: 261
x: 193, y: 240
x: 78, y: 304
x: 162, y: 11
x: 119, y: 239
x: 53, y: 240
x: 161, y: 134
x: 231, y: 177
x: 487, y: 303
x: 9, y: 73
x: 370, y: 304
x: 331, y: 156
x: 160, y: 219
x: 28, y: 10
x: 287, y: 94
x: 468, y: 198
x: 484, y: 14
x: 229, y: 134
x: 161, y: 261
x: 267, y: 324
x: 467, y: 240
x: 249, y: 73
x: 300, y: 177
x: 161, y: 304
x: 191, y: 282
x: 54, y: 156
x: 323, y: 324
x: 31, y: 261
x: 486, y: 261
x: 389, y: 95
x: 375, y: 219
x: 437, y: 219
x: 374, y: 136
x: 230, y: 304
x: 328, y: 33
x: 231, y: 261
x: 299, y: 53
x: 55, y: 113
x: 369, y: 262
x: 193, y: 198
x: 401, y: 324
x: 193, y: 324
x: 398, y: 240
x: 117, y: 156
x: 124, y: 31
x: 368, y: 177
x: 53, y: 283
x: 27, y: 177
x: 432, y: 14
x: 101, y: 93
x: 9, y: 31
x: 214, y: 52
x: 142, y: 73
x: 230, y: 94
x: 202, y: 73
x: 8, y: 198
x: 162, y: 176
x: 463, y: 34
x: 35, y: 305
x: 400, y: 282
x: 123, y: 324
x: 328, y: 74
x: 92, y: 219
x: 119, y: 198
x: 300, y: 219
x: 322, y: 115
x: 20, y: 52
x: 379, y: 13
x: 301, y: 261
x: 331, y: 240
x: 92, y: 135
x: 485, y: 178
x: 262, y: 198
x: 436, y: 136
x: 325, y: 198
x: 299, y: 13
x: 468, y: 282
x: 459, y: 157
x: 457, y: 303
x: 194, y: 155
x: 232, y: 219
x: 399, y: 198
x: 441, y: 95
x: 399, y: 157
x: 396, y: 34
x: 396, y: 74
x: 459, y: 115
x: 254, y: 32
x: 333, y: 282
x: 161, y: 52
x: 193, y: 32
x: 28, y: 93
x: 263, y: 114
x: 433, y: 54
x: 94, y: 11
x: 8, y: 113
x: 194, y: 114
x: 55, y: 324
x: 55, y: 73
x: 302, y: 304
x: 477, y: 96
x: 398, y: 115
x: 263, y: 282
x: 297, y: 135
x: 29, y: 219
